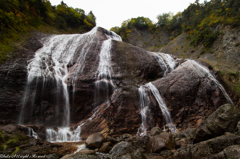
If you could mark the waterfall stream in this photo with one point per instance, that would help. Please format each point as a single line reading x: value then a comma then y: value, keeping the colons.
x: 144, y: 102
x: 163, y: 107
x: 51, y: 64
x: 167, y: 64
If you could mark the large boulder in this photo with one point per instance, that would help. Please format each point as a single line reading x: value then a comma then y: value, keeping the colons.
x: 207, y: 148
x: 124, y: 150
x: 161, y: 142
x: 224, y: 119
x: 95, y: 141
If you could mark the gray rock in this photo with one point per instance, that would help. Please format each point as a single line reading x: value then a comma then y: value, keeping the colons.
x: 121, y: 149
x: 207, y: 148
x: 224, y: 119
x: 157, y: 143
x: 155, y: 131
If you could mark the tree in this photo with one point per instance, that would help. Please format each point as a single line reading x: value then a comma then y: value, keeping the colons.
x: 164, y: 19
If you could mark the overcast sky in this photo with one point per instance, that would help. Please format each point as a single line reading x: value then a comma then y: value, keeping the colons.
x: 110, y: 13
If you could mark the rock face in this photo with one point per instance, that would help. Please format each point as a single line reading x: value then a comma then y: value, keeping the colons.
x: 13, y: 76
x: 114, y: 108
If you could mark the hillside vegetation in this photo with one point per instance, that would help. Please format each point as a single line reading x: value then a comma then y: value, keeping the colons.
x: 196, y: 20
x: 19, y: 17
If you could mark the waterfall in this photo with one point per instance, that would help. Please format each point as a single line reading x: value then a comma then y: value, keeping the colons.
x: 104, y: 84
x: 167, y: 64
x: 144, y: 103
x: 163, y: 107
x: 165, y: 61
x: 204, y: 72
x: 104, y: 72
x: 50, y: 65
x: 48, y: 70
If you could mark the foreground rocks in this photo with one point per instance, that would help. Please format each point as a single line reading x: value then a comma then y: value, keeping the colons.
x: 222, y: 142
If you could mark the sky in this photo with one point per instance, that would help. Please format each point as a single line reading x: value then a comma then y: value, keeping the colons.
x: 111, y: 13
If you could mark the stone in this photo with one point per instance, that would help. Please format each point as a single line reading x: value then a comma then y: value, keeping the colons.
x: 224, y: 119
x: 206, y: 148
x: 157, y: 143
x: 121, y: 149
x: 141, y: 141
x: 94, y: 141
x: 155, y: 131
x: 106, y: 147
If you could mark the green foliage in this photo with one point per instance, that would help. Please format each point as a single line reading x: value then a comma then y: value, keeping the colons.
x: 139, y: 22
x: 18, y: 17
x: 164, y: 19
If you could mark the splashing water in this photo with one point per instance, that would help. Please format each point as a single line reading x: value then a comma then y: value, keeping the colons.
x: 63, y: 135
x: 163, y: 107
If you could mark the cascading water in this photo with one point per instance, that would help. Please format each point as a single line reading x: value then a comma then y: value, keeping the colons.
x: 163, y: 107
x: 165, y: 61
x: 32, y: 133
x: 104, y: 84
x: 144, y: 103
x: 104, y: 77
x: 49, y: 68
x: 204, y: 72
x: 63, y: 135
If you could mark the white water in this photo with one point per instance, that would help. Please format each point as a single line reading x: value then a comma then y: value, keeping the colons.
x: 163, y: 107
x: 32, y: 133
x: 144, y: 103
x: 63, y: 135
x: 81, y: 147
x: 165, y: 61
x: 104, y: 71
x: 204, y: 72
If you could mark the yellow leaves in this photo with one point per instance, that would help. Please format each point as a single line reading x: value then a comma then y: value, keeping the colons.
x: 87, y: 23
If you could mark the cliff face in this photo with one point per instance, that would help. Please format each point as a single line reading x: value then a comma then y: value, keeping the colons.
x: 151, y: 41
